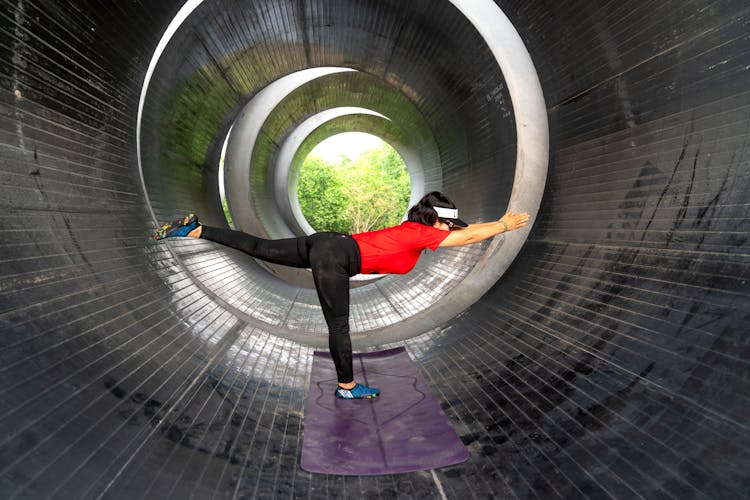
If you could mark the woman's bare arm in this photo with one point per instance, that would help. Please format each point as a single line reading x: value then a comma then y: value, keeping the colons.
x: 479, y: 232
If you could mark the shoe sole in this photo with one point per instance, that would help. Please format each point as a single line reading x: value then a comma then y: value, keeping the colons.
x: 168, y: 229
x: 363, y: 397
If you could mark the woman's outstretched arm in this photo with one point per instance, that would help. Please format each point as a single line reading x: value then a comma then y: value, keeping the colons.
x: 479, y: 232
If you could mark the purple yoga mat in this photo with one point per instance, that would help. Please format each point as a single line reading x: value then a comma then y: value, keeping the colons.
x: 403, y: 430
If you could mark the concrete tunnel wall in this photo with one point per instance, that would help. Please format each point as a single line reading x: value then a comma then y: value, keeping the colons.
x: 610, y: 360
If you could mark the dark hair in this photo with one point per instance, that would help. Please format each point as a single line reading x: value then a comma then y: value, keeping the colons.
x: 424, y: 213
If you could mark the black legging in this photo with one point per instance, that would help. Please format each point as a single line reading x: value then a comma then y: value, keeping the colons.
x: 333, y: 258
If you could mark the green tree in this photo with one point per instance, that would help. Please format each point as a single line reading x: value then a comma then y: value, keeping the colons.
x: 352, y: 196
x: 320, y: 196
x: 377, y: 189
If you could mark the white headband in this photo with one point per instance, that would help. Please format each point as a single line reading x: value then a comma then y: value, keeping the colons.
x: 446, y: 213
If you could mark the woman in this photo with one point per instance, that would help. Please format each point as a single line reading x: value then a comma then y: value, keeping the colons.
x: 335, y: 257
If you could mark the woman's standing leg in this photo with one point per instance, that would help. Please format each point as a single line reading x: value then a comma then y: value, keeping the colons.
x: 331, y: 275
x: 327, y: 255
x: 334, y: 258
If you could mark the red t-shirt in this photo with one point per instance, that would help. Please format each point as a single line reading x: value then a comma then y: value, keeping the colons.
x: 396, y: 249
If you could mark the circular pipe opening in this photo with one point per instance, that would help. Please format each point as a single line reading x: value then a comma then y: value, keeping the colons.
x: 274, y: 112
x: 352, y: 182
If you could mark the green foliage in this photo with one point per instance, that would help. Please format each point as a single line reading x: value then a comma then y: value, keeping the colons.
x: 227, y: 213
x: 320, y: 198
x: 354, y: 196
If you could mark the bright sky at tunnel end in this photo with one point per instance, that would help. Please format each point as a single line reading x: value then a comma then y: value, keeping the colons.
x: 350, y: 144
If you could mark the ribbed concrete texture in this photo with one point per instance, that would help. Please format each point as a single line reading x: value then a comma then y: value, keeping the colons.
x: 610, y: 360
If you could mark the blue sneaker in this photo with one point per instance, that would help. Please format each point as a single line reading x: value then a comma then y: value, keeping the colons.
x: 179, y: 227
x: 359, y: 391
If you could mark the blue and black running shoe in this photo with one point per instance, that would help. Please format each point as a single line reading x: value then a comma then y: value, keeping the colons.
x: 359, y: 391
x: 179, y: 227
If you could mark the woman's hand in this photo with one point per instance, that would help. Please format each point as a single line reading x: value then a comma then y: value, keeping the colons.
x: 512, y: 220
